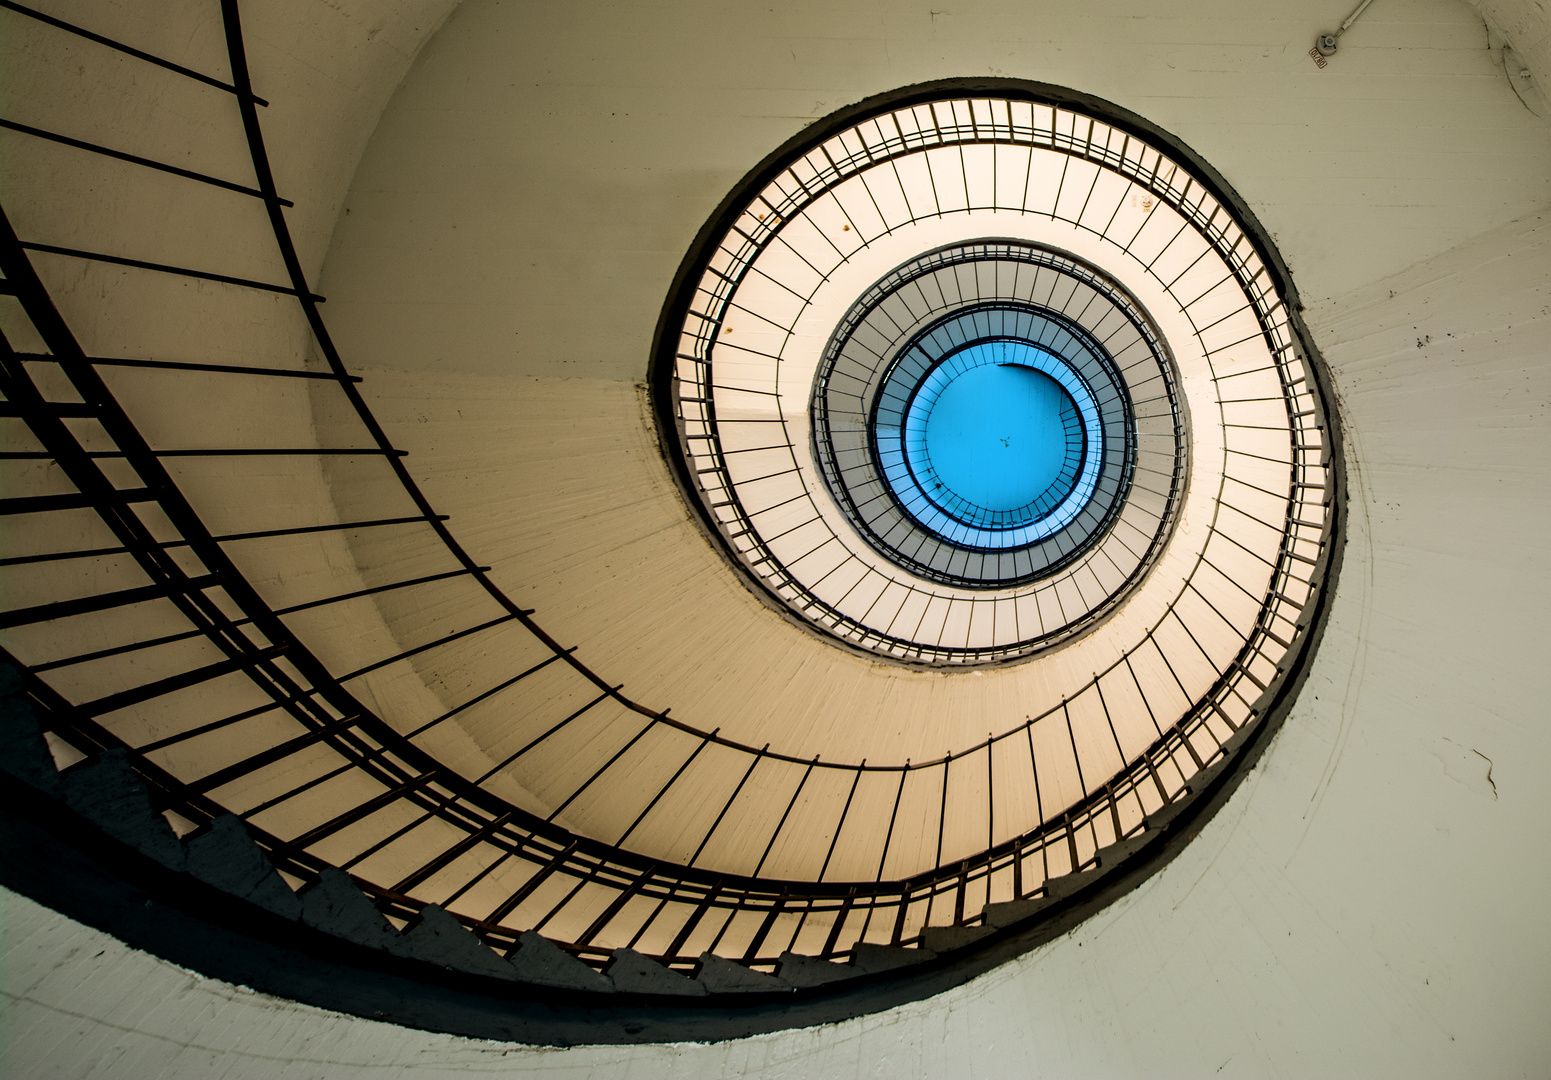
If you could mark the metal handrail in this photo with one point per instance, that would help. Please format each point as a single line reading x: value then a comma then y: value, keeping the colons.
x: 260, y: 645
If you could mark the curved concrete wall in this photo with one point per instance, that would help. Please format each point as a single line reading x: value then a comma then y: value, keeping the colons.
x: 509, y: 241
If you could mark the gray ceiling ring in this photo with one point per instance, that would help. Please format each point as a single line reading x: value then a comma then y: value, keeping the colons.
x: 848, y: 396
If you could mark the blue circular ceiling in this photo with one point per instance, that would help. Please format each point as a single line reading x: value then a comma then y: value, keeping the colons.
x: 999, y: 436
x: 996, y: 448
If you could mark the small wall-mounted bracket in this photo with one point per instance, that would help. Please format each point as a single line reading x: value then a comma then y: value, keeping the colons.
x: 1325, y: 45
x: 1522, y: 79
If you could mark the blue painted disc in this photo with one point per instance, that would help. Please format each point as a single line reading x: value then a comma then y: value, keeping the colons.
x: 997, y: 435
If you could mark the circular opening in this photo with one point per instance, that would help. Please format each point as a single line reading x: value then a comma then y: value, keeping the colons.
x: 961, y: 434
x: 960, y: 501
x: 996, y: 439
x: 1000, y: 437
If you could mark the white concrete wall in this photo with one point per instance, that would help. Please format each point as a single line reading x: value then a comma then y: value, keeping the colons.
x: 1368, y: 904
x: 508, y: 243
x: 532, y: 155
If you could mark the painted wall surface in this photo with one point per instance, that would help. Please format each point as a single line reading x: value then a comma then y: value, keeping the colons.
x: 540, y: 164
x: 508, y: 243
x: 328, y: 71
x: 1368, y: 902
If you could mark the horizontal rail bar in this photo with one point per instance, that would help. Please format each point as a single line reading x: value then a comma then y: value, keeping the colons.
x: 50, y: 408
x: 125, y: 698
x: 94, y: 553
x: 280, y: 752
x: 62, y: 609
x: 238, y: 451
x: 182, y: 365
x: 127, y: 50
x: 136, y: 159
x: 169, y: 639
x: 39, y: 504
x: 165, y: 268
